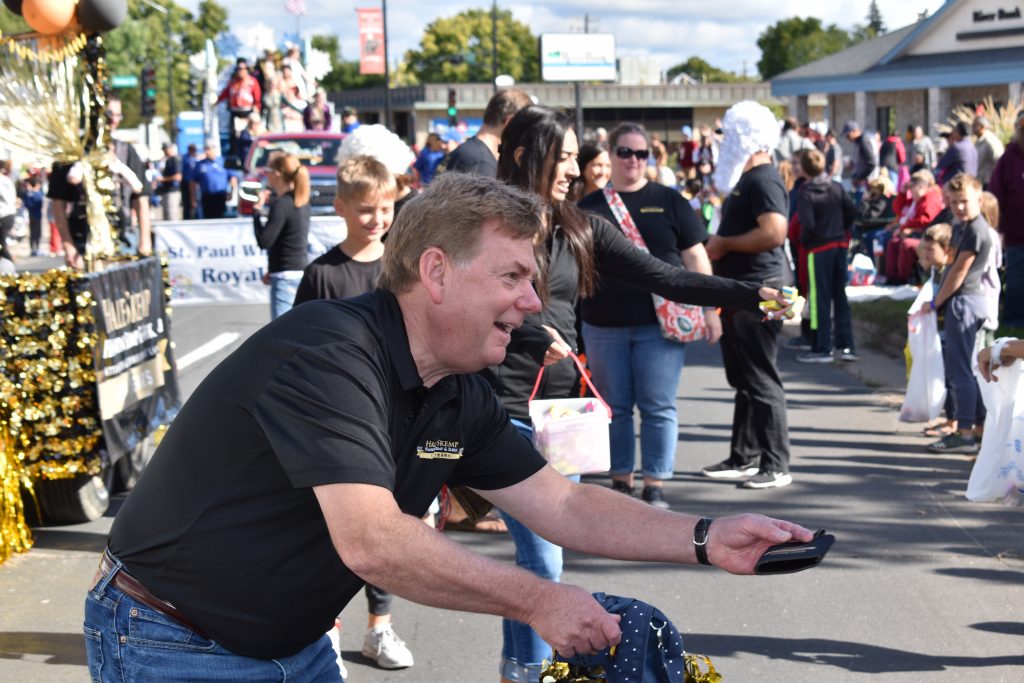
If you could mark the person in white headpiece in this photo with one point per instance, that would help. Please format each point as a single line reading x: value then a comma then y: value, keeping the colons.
x: 748, y: 246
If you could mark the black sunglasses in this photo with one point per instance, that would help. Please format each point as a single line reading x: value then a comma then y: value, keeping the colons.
x: 626, y: 152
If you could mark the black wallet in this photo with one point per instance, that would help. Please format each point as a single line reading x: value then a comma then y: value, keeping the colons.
x: 795, y: 556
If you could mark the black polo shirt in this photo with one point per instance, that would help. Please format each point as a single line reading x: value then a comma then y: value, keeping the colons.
x: 224, y: 523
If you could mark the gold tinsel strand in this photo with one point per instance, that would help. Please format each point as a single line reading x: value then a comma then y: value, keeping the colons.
x: 15, y: 536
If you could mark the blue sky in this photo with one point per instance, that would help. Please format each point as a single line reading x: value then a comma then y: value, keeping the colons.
x: 723, y: 33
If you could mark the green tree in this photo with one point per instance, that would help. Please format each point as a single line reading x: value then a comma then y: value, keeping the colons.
x: 458, y: 49
x: 874, y: 27
x: 697, y: 68
x: 790, y: 43
x: 343, y: 74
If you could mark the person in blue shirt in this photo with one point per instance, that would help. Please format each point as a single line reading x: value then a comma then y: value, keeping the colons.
x: 32, y: 200
x: 430, y: 158
x: 188, y: 166
x: 210, y: 184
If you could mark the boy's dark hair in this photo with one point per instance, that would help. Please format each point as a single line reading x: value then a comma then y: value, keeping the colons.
x: 940, y: 233
x: 694, y: 186
x: 812, y: 163
x: 961, y: 181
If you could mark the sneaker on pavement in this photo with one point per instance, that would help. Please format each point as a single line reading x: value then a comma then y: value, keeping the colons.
x: 954, y: 443
x: 814, y: 357
x: 768, y: 480
x: 798, y: 344
x: 384, y: 647
x: 848, y: 356
x: 655, y: 497
x: 727, y: 470
x: 622, y: 487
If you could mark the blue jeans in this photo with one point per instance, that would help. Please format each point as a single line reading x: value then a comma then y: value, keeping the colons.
x: 964, y: 317
x: 523, y: 651
x: 126, y: 641
x: 282, y: 293
x: 637, y: 366
x: 1013, y: 292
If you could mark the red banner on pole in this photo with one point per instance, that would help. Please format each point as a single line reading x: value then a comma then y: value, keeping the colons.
x: 371, y: 40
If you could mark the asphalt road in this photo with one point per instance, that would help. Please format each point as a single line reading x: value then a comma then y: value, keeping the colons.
x: 921, y: 585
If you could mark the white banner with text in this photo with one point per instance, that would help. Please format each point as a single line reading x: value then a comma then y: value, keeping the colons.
x: 219, y: 262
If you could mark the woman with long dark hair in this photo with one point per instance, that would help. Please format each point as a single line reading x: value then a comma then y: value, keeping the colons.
x: 285, y: 231
x: 539, y: 154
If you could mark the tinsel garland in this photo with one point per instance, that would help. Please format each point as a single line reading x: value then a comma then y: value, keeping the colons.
x: 47, y: 48
x: 48, y: 402
x: 15, y: 536
x: 53, y: 109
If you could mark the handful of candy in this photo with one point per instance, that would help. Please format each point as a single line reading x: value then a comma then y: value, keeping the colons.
x: 770, y: 308
x: 561, y: 411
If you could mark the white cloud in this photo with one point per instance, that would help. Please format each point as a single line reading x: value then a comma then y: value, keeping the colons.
x: 724, y: 34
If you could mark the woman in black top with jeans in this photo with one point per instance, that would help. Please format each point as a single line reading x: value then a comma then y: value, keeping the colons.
x: 285, y: 233
x: 539, y: 154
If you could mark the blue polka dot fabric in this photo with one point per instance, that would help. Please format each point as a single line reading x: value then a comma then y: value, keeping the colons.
x: 651, y: 649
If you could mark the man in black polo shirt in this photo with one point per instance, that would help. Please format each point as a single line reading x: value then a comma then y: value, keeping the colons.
x: 301, y: 465
x: 748, y: 246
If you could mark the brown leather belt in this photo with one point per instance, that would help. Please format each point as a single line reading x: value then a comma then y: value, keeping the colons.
x: 131, y: 587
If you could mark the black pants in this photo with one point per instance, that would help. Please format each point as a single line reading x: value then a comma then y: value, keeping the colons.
x: 828, y: 277
x: 760, y: 430
x: 6, y: 223
x: 214, y: 204
x: 378, y: 601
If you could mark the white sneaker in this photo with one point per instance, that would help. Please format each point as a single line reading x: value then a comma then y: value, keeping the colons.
x: 383, y: 646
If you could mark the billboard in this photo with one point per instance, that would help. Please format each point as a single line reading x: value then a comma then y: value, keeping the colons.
x: 577, y: 57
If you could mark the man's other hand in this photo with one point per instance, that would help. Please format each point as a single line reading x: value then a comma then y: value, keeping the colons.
x: 570, y: 620
x: 736, y: 543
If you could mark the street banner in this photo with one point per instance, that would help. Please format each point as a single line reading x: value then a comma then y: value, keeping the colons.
x: 219, y: 262
x: 136, y: 384
x: 371, y: 40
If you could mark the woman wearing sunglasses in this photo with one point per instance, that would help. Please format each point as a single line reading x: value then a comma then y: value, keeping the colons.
x: 632, y: 364
x: 539, y: 154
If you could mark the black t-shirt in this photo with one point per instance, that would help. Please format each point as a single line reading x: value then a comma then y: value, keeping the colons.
x: 668, y: 225
x: 334, y: 275
x: 224, y: 523
x: 974, y: 236
x: 74, y: 195
x: 172, y: 166
x: 760, y: 190
x: 472, y: 156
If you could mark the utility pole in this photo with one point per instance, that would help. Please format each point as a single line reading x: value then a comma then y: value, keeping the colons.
x: 494, y: 45
x: 172, y: 125
x: 387, y: 66
x: 578, y: 90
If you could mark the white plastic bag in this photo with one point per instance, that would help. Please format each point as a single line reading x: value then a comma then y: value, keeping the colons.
x: 998, y: 472
x: 926, y: 386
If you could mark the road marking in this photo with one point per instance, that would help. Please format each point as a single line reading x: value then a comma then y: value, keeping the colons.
x: 208, y: 349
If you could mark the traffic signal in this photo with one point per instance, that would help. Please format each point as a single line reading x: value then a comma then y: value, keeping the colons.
x: 195, y: 93
x: 147, y: 86
x: 453, y: 109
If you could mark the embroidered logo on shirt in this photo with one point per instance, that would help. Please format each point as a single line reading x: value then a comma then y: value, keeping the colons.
x: 437, y: 449
x: 651, y: 209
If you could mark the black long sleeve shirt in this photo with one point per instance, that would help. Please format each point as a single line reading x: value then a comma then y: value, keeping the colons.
x: 285, y: 234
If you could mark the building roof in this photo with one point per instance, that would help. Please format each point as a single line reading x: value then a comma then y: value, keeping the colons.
x: 884, y: 64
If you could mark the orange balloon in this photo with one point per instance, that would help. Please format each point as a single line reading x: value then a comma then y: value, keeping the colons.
x: 49, y: 17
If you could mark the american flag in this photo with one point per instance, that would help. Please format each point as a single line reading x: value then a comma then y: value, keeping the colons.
x: 296, y: 7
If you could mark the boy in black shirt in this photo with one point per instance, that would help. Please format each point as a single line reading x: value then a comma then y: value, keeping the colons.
x: 366, y: 200
x: 962, y: 296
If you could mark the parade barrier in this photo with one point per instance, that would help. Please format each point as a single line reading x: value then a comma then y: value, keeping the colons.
x: 219, y: 262
x: 87, y: 378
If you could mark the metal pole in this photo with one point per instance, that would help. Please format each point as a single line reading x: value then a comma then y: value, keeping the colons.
x: 579, y: 110
x: 494, y: 45
x: 172, y: 124
x: 387, y: 67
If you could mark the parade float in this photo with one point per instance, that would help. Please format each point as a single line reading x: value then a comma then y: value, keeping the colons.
x: 87, y: 378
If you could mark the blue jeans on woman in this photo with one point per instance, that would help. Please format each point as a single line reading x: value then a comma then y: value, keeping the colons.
x: 126, y: 640
x: 637, y: 366
x: 283, y: 287
x: 523, y: 651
